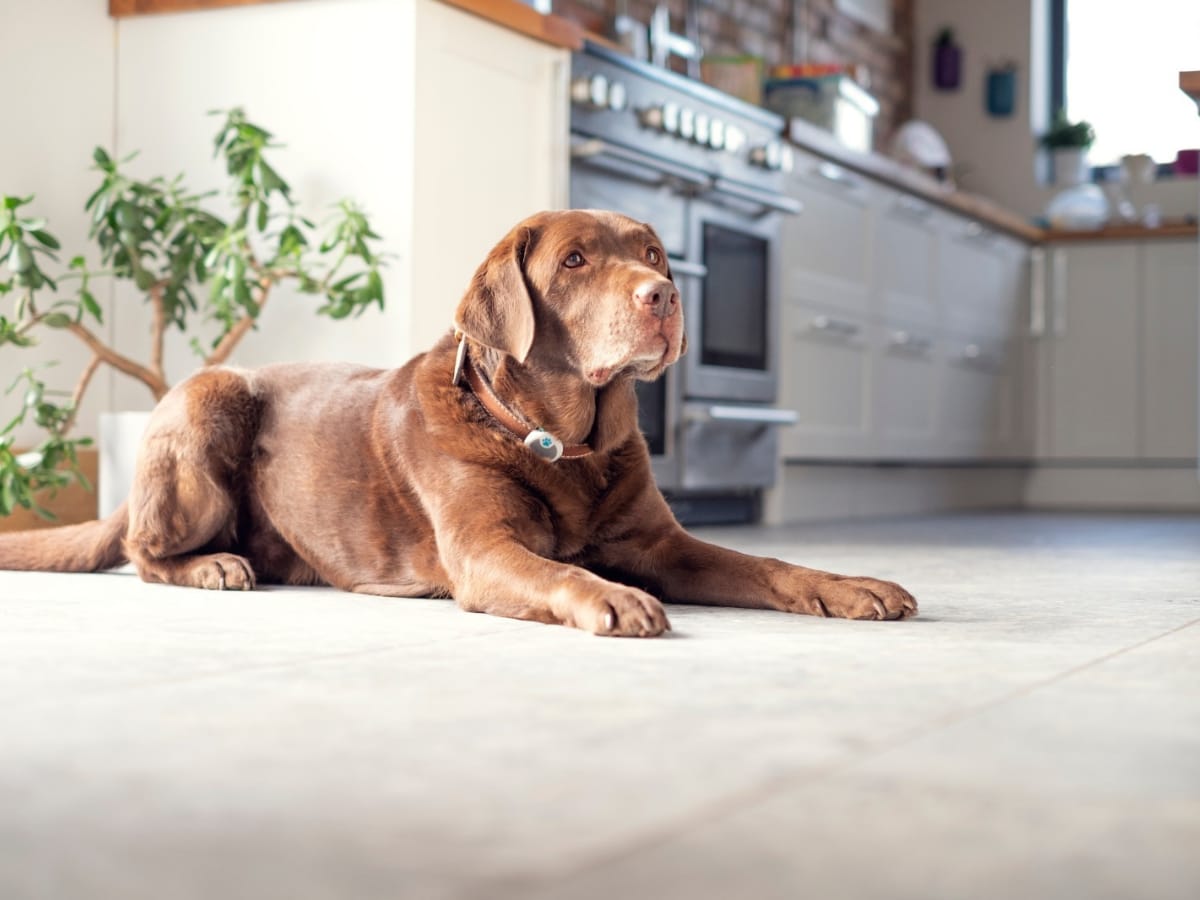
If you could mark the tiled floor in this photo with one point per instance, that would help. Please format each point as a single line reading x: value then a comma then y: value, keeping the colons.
x: 1034, y: 734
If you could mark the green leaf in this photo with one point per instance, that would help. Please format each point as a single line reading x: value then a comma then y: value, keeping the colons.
x: 101, y: 157
x: 89, y: 303
x: 56, y: 320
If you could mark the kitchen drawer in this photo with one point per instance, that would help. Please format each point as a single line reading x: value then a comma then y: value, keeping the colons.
x: 905, y: 257
x: 981, y: 278
x: 826, y: 251
x: 907, y: 373
x: 979, y: 415
x: 826, y: 380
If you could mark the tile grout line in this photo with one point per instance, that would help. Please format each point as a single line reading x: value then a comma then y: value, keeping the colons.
x: 752, y: 796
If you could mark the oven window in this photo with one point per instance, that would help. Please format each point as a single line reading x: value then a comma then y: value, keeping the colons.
x: 733, y: 310
x: 652, y: 414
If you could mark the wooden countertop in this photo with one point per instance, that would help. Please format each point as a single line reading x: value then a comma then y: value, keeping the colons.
x: 511, y: 14
x: 1189, y: 83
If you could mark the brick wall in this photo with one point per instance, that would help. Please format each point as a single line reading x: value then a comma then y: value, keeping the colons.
x: 766, y: 28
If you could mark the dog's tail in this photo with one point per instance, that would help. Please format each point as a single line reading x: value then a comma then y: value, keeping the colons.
x: 87, y: 547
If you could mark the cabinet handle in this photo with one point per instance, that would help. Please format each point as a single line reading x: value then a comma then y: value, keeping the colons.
x: 1058, y: 267
x: 904, y: 340
x: 839, y: 327
x: 1037, y: 292
x: 911, y: 206
x: 835, y: 174
x: 683, y: 267
x: 975, y: 356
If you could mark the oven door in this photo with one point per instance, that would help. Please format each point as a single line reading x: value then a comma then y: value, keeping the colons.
x: 732, y: 315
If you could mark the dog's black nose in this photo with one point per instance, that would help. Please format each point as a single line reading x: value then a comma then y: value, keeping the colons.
x: 659, y: 295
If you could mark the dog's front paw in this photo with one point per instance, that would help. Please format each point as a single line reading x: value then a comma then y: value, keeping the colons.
x: 847, y: 597
x: 620, y: 611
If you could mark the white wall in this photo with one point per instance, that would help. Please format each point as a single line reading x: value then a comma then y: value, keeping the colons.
x: 999, y: 155
x: 333, y: 79
x: 61, y: 55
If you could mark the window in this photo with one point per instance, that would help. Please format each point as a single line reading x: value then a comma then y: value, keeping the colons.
x: 1116, y: 64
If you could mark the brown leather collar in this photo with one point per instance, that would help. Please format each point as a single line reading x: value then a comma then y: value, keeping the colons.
x: 522, y: 430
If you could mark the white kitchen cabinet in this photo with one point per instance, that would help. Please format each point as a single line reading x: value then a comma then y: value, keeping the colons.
x: 826, y: 377
x: 979, y: 415
x: 826, y: 255
x: 491, y: 147
x: 980, y: 278
x: 1170, y: 297
x: 905, y: 258
x: 1088, y: 377
x: 903, y: 326
x: 907, y: 369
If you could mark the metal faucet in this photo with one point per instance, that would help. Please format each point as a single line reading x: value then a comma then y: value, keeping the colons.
x: 664, y: 44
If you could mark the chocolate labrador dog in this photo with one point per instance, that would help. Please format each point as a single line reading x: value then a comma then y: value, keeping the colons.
x: 504, y: 467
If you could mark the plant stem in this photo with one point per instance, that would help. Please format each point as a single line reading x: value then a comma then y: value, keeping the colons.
x: 157, y: 385
x: 77, y: 395
x: 235, y: 334
x: 159, y: 329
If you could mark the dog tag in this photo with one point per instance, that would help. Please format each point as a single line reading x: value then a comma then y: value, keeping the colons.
x: 544, y: 444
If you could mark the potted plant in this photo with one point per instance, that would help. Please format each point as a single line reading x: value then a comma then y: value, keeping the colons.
x: 1069, y: 142
x: 189, y: 264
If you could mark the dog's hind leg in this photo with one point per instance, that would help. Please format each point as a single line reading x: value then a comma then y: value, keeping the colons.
x: 183, y: 509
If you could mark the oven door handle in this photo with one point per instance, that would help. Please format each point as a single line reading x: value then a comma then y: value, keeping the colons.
x: 753, y: 414
x: 769, y: 201
x: 589, y: 149
x: 683, y: 267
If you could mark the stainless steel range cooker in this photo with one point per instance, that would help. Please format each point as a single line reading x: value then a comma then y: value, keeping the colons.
x: 706, y: 170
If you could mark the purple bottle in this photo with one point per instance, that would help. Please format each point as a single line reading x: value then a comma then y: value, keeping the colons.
x: 947, y: 61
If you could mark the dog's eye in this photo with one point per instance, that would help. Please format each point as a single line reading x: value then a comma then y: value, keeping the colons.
x: 653, y: 256
x: 574, y: 260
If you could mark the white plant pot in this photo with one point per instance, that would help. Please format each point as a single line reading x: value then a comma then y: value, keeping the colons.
x: 1071, y: 167
x: 120, y: 437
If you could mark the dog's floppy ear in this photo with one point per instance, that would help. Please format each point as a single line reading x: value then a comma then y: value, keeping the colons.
x: 497, y: 310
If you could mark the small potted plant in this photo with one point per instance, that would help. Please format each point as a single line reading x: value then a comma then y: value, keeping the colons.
x: 1069, y: 143
x: 189, y: 264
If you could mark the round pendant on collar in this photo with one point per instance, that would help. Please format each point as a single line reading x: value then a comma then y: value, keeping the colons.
x: 544, y: 444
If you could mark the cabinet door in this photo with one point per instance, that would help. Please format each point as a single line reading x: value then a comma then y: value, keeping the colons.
x: 979, y: 401
x: 905, y: 256
x: 906, y: 395
x: 826, y: 379
x: 491, y: 146
x: 980, y: 279
x: 1170, y: 295
x: 826, y: 251
x: 1092, y: 367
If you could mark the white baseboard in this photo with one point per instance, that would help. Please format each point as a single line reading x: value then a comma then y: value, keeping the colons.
x: 807, y: 493
x: 1166, y: 489
x: 811, y: 493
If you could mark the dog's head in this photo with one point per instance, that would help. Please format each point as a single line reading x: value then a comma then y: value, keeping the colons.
x: 584, y: 290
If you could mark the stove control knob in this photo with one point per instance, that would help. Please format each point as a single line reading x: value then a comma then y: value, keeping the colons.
x: 670, y: 118
x: 590, y: 91
x: 735, y: 138
x: 618, y: 99
x: 687, y: 123
x: 703, y: 123
x: 716, y: 134
x: 767, y: 155
x: 787, y: 160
